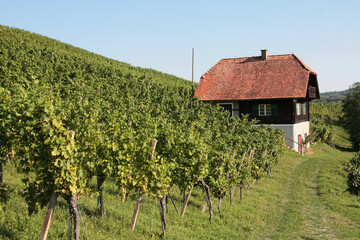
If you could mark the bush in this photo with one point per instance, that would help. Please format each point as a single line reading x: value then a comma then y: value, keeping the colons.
x: 322, y: 116
x: 4, y: 195
x: 321, y: 132
x: 353, y: 181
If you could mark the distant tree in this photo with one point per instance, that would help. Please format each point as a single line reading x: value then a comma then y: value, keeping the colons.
x: 351, y: 109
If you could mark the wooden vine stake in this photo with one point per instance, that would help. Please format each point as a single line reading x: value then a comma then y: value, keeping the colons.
x: 238, y: 172
x: 162, y: 215
x: 136, y: 211
x: 251, y: 156
x: 232, y: 189
x: 185, y: 203
x: 48, y: 216
x: 167, y: 203
x: 100, y: 199
x: 269, y: 169
x: 186, y: 199
x: 138, y: 201
x: 219, y: 203
x: 204, y: 206
x: 242, y: 160
x: 241, y: 188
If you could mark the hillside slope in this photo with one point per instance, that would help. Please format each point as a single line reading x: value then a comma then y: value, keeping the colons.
x: 28, y: 56
x: 333, y: 96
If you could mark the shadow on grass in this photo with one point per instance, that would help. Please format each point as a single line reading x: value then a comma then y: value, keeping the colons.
x: 352, y: 206
x: 308, y: 238
x: 344, y: 149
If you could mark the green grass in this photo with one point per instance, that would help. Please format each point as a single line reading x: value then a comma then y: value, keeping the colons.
x: 304, y: 198
x: 341, y: 138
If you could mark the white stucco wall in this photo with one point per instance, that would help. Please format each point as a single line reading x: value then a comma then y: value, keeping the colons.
x: 292, y: 131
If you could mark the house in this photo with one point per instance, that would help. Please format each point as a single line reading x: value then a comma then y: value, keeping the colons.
x: 276, y: 90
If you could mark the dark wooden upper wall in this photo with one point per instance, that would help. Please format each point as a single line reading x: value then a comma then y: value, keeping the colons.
x: 313, y: 88
x: 286, y: 111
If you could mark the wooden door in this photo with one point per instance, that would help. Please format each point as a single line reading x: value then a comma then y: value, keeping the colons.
x: 300, y: 145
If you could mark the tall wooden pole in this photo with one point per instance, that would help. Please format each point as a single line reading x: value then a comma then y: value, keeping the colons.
x: 192, y: 78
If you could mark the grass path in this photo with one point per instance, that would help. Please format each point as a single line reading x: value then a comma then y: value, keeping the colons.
x: 305, y: 213
x: 309, y: 212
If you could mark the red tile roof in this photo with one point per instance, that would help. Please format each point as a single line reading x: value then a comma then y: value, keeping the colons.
x: 280, y: 76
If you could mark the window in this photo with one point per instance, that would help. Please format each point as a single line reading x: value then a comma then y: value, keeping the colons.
x: 303, y: 108
x: 298, y: 108
x: 264, y: 110
x: 227, y: 107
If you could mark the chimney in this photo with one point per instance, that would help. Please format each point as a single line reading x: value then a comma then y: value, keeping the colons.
x: 264, y: 54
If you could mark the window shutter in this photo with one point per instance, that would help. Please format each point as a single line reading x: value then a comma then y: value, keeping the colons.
x: 255, y: 110
x: 273, y: 109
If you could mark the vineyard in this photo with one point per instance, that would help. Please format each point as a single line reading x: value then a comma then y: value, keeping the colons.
x: 324, y: 116
x: 70, y: 117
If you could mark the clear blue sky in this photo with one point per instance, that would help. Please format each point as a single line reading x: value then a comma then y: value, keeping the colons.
x: 160, y: 35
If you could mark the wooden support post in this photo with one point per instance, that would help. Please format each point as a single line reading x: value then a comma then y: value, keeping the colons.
x: 136, y: 211
x: 167, y: 203
x: 205, y: 204
x: 100, y: 199
x: 241, y: 188
x: 162, y: 215
x: 138, y: 201
x: 48, y: 216
x: 152, y: 148
x: 219, y: 203
x: 185, y: 203
x: 242, y: 160
x: 192, y: 73
x: 232, y: 190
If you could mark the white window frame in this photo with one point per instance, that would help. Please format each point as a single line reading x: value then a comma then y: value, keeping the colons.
x: 232, y: 107
x: 267, y: 110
